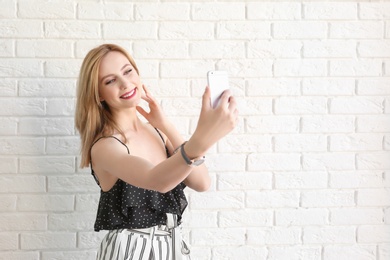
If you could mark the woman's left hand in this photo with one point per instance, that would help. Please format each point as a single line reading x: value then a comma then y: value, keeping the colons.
x: 155, y: 116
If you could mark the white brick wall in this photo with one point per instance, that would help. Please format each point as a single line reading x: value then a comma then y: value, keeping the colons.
x: 306, y: 174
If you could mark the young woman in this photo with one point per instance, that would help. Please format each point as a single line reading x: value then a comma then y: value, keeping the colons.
x: 141, y: 168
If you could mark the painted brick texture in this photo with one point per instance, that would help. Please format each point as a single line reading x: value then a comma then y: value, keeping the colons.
x: 305, y: 175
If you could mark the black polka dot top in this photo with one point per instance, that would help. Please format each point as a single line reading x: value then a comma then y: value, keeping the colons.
x: 127, y: 206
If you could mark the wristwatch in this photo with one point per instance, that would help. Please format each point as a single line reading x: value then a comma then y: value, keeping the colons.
x: 194, y: 162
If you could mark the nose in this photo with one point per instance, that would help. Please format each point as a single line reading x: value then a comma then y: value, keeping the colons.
x: 125, y: 83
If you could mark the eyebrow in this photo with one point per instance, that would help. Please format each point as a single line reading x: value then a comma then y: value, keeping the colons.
x: 124, y: 66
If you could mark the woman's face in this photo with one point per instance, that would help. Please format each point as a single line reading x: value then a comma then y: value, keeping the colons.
x: 119, y: 83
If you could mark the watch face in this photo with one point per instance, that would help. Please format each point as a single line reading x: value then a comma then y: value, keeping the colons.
x: 198, y: 162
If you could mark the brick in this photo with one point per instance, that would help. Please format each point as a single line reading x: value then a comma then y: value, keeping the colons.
x: 7, y: 203
x: 20, y: 184
x: 8, y: 165
x: 244, y: 30
x: 160, y: 50
x: 327, y: 124
x: 373, y: 123
x: 18, y: 29
x: 130, y: 31
x: 245, y: 218
x: 71, y: 221
x: 193, y: 68
x: 73, y: 184
x: 274, y: 161
x: 218, y: 237
x: 328, y: 161
x: 74, y: 255
x: 379, y: 86
x: 272, y: 199
x: 23, y: 222
x: 373, y: 161
x: 90, y: 240
x: 105, y: 11
x: 244, y: 181
x: 62, y: 68
x: 356, y: 142
x: 327, y: 11
x: 251, y: 68
x: 8, y: 87
x: 273, y: 11
x: 19, y: 255
x: 60, y: 107
x: 45, y: 203
x: 44, y: 48
x: 274, y: 49
x: 300, y: 105
x: 47, y: 88
x: 300, y: 68
x: 172, y: 88
x: 243, y: 252
x: 329, y: 49
x: 274, y: 236
x: 300, y: 143
x: 7, y: 48
x: 355, y: 68
x: 8, y: 126
x: 188, y: 30
x: 384, y: 251
x: 327, y: 198
x: 329, y: 235
x: 301, y: 180
x: 387, y: 64
x: 356, y: 30
x: 217, y: 11
x: 294, y: 252
x: 22, y: 146
x: 201, y: 219
x: 87, y: 202
x: 9, y: 241
x: 21, y: 68
x: 273, y: 87
x: 356, y: 105
x: 374, y: 48
x: 328, y: 86
x: 22, y: 107
x: 46, y: 10
x: 148, y: 68
x: 226, y: 162
x: 72, y: 30
x: 48, y: 240
x: 356, y: 179
x: 272, y: 124
x: 374, y: 11
x: 217, y: 50
x: 217, y: 200
x: 301, y: 217
x: 356, y: 216
x: 300, y: 30
x: 364, y: 252
x: 386, y: 142
x: 8, y: 10
x: 46, y: 126
x: 47, y: 164
x: 245, y: 144
x: 162, y: 11
x: 373, y: 197
x: 63, y: 145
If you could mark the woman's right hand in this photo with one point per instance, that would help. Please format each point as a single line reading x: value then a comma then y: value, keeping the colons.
x: 214, y: 123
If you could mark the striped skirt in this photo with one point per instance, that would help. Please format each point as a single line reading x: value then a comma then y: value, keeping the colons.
x: 155, y: 243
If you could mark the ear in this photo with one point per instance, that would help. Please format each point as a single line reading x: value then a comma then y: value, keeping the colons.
x: 101, y: 99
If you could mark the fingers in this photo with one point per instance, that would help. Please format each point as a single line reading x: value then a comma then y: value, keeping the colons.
x: 142, y: 111
x: 206, y: 101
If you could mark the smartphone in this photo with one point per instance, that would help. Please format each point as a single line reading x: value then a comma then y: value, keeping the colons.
x: 218, y: 82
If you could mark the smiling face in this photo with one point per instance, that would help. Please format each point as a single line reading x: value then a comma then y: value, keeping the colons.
x: 119, y: 83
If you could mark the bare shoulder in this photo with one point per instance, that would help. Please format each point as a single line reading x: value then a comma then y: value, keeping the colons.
x: 108, y: 146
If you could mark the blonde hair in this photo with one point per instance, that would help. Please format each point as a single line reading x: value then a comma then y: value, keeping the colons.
x: 93, y: 117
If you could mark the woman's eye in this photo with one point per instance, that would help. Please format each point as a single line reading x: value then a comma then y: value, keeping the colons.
x: 109, y: 81
x: 128, y: 71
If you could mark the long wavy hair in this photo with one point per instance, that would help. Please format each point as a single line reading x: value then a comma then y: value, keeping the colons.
x: 93, y: 118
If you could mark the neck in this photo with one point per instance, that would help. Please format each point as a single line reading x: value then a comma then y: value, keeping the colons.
x: 128, y: 120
